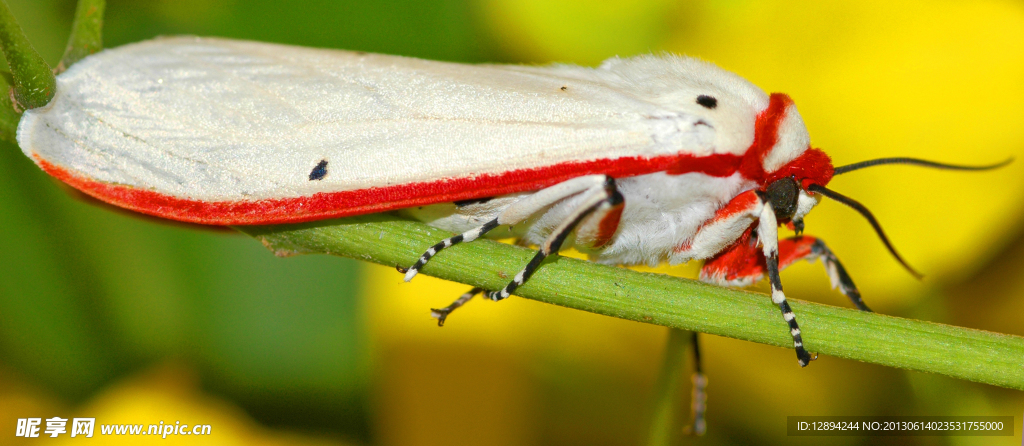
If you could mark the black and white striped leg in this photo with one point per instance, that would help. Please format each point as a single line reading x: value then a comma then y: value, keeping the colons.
x: 837, y: 274
x: 442, y: 313
x: 515, y: 213
x: 604, y: 197
x: 699, y: 396
x: 768, y: 236
x: 467, y: 236
x: 779, y: 298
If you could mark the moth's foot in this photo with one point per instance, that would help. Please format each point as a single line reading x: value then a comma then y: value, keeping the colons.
x: 803, y: 357
x: 440, y: 314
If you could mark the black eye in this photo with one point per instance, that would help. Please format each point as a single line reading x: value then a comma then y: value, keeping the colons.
x: 319, y: 172
x: 782, y: 194
x: 707, y: 101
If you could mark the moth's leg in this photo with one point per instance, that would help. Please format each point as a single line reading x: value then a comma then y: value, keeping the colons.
x: 442, y: 313
x: 732, y: 220
x: 836, y: 273
x: 699, y: 396
x: 467, y: 236
x: 738, y: 264
x: 598, y: 199
x: 515, y: 213
x: 768, y: 234
x: 741, y: 264
x: 598, y: 229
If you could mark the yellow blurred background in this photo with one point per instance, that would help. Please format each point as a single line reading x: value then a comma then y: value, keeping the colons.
x: 129, y: 321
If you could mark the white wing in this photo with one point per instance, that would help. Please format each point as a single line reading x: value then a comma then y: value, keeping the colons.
x: 216, y: 119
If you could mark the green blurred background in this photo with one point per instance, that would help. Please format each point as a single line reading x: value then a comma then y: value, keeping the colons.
x: 131, y: 321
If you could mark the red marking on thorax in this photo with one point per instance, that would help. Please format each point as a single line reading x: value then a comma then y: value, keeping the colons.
x: 811, y: 167
x: 766, y: 134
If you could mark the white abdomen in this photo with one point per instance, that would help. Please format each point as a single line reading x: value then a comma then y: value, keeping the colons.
x: 662, y: 212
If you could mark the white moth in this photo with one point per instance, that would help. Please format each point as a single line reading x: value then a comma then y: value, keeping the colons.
x: 639, y: 161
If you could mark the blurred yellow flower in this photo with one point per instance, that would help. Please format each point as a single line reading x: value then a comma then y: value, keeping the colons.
x: 168, y: 393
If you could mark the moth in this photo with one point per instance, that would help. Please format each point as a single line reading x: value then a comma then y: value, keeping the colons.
x: 641, y: 160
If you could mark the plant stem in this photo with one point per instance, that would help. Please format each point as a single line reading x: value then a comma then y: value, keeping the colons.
x: 34, y: 83
x: 86, y: 33
x: 9, y: 117
x: 664, y: 424
x: 963, y: 353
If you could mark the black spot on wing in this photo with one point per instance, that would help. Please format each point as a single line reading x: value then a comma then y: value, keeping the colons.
x: 319, y: 172
x: 707, y: 101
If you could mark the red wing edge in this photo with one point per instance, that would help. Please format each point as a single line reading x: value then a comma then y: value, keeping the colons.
x: 323, y: 205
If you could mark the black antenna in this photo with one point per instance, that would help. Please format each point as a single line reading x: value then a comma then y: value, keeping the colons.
x: 916, y: 162
x: 867, y: 214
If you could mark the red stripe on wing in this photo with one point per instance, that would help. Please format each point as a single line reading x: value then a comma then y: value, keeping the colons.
x: 325, y: 205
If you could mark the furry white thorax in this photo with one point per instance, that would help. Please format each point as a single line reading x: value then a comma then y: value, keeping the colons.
x: 661, y: 212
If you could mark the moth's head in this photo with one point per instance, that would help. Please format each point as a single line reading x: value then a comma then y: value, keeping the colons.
x: 793, y: 175
x: 790, y: 201
x: 782, y: 156
x: 793, y: 188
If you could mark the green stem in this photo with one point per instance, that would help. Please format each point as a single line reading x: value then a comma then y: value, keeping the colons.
x: 86, y: 33
x: 34, y: 83
x: 664, y: 425
x: 963, y: 353
x: 9, y: 117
